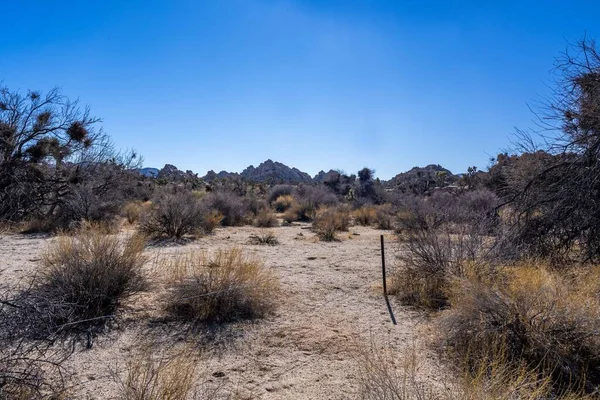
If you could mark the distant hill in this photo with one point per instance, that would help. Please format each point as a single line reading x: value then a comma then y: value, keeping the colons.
x: 267, y: 172
x: 421, y: 179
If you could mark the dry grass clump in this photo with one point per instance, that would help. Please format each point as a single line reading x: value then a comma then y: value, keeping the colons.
x: 265, y: 219
x: 528, y: 317
x: 132, y: 211
x: 283, y: 203
x: 364, y: 216
x: 173, y: 215
x: 264, y: 238
x: 152, y: 376
x: 225, y: 287
x: 329, y: 221
x: 82, y: 283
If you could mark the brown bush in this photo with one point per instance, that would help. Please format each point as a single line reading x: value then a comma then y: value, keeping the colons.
x: 329, y: 221
x: 528, y: 316
x: 364, y: 216
x: 226, y: 287
x: 265, y: 219
x: 303, y: 212
x: 132, y: 211
x: 264, y: 238
x: 384, y: 217
x: 81, y: 285
x: 283, y: 203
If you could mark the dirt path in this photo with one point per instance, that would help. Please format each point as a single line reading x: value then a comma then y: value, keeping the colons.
x: 331, y: 301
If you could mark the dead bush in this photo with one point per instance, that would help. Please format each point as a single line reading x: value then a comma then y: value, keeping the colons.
x: 329, y: 221
x: 229, y: 205
x: 210, y: 221
x: 283, y: 203
x: 225, y: 287
x: 81, y: 285
x: 365, y: 216
x: 173, y: 215
x: 531, y: 317
x: 265, y: 219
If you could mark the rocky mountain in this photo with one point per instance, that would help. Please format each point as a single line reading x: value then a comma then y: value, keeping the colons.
x: 275, y: 172
x: 421, y: 179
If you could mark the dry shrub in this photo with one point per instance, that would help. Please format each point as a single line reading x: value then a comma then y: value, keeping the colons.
x: 528, y: 317
x: 210, y: 221
x: 436, y: 250
x: 265, y: 219
x: 329, y: 221
x: 39, y: 225
x: 303, y: 212
x: 283, y: 203
x: 151, y: 376
x: 173, y: 215
x: 384, y: 374
x: 365, y: 216
x: 225, y: 287
x: 231, y: 206
x: 82, y: 283
x: 278, y: 191
x: 132, y: 211
x: 264, y: 238
x: 384, y: 217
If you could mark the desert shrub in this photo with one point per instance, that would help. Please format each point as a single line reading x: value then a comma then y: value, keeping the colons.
x: 365, y: 216
x: 151, y: 376
x: 225, y: 287
x: 278, y: 191
x: 329, y: 221
x: 265, y: 219
x: 436, y: 249
x: 255, y: 205
x: 82, y: 282
x: 264, y: 238
x: 527, y: 316
x: 229, y: 205
x: 173, y: 215
x: 303, y: 212
x: 131, y: 211
x: 384, y: 216
x: 210, y: 221
x: 315, y: 196
x: 283, y: 203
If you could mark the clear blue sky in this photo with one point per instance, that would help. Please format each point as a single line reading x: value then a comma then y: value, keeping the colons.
x: 223, y: 84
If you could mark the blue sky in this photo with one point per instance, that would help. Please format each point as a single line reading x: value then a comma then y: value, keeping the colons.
x: 223, y: 84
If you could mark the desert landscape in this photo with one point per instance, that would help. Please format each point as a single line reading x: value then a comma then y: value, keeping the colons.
x: 358, y: 200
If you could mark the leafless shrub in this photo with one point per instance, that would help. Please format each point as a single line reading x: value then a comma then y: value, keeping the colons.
x: 264, y: 238
x: 229, y: 205
x: 223, y: 288
x: 132, y: 211
x: 384, y: 216
x: 173, y: 215
x: 315, y: 196
x: 304, y: 212
x: 278, y: 191
x: 265, y: 219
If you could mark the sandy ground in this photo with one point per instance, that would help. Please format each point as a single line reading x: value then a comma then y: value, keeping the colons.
x: 331, y: 302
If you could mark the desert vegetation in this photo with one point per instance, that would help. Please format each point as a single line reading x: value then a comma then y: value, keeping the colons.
x: 500, y: 266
